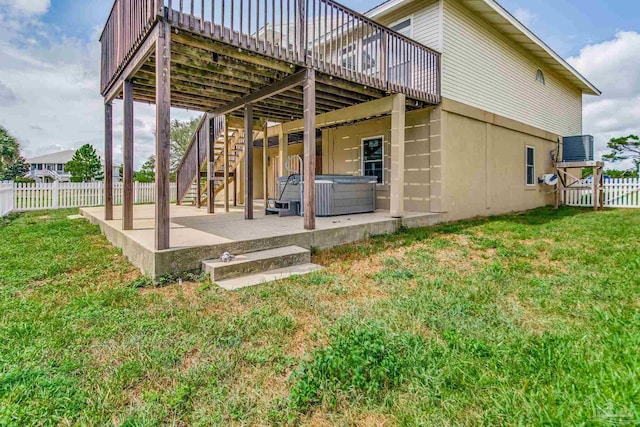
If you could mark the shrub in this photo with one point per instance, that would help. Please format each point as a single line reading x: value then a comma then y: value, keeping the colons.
x: 364, y: 360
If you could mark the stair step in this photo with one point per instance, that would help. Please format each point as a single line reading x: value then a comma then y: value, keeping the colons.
x: 256, y: 262
x: 267, y: 276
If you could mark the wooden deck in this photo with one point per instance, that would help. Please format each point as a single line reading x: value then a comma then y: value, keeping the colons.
x: 224, y: 50
x: 259, y: 60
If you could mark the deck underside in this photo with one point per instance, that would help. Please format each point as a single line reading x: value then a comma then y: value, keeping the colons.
x: 208, y: 74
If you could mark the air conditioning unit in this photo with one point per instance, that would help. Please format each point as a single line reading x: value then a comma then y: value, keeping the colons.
x: 577, y: 148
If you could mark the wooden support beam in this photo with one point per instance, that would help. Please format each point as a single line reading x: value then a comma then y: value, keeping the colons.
x: 226, y: 165
x: 212, y: 46
x: 127, y: 157
x: 265, y: 161
x: 211, y: 188
x: 108, y: 161
x: 198, y: 180
x: 235, y: 187
x: 163, y: 137
x: 309, y: 150
x: 248, y: 162
x: 397, y: 156
x: 283, y: 152
x: 349, y: 114
x: 259, y: 95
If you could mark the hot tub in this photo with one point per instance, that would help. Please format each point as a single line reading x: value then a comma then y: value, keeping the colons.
x: 335, y: 194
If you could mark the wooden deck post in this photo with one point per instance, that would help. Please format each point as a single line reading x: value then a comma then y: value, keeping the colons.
x: 127, y: 157
x: 198, y: 177
x: 310, y: 150
x: 265, y: 162
x: 163, y: 137
x: 108, y: 161
x: 235, y: 187
x: 211, y: 173
x: 248, y: 162
x: 226, y: 164
x: 283, y: 152
x: 397, y: 155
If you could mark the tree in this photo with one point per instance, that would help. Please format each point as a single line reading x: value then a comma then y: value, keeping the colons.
x: 12, y: 164
x: 181, y: 135
x: 85, y: 165
x: 148, y: 171
x: 17, y: 169
x: 624, y: 148
x: 615, y: 173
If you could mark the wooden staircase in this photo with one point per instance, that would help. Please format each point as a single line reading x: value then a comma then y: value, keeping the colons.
x: 195, y: 159
x: 236, y: 155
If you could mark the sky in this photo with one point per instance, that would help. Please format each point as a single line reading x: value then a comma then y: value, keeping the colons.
x: 50, y: 62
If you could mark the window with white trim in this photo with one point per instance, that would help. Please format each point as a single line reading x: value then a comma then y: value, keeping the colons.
x: 530, y: 165
x: 540, y: 77
x: 403, y: 27
x: 373, y: 158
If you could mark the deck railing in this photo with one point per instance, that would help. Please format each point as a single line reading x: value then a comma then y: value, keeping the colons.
x: 128, y: 24
x: 321, y: 34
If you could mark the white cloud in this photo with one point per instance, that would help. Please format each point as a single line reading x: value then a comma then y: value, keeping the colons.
x: 614, y: 67
x: 525, y: 16
x: 27, y: 7
x: 49, y: 91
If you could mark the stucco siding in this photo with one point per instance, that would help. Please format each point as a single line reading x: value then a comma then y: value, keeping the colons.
x: 342, y: 154
x: 483, y: 68
x: 482, y: 162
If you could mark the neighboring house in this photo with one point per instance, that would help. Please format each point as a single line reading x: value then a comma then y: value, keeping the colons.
x: 51, y: 167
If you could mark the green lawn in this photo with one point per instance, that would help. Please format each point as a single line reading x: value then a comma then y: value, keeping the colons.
x: 529, y: 319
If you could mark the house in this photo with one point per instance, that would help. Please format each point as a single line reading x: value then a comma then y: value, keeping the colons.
x: 506, y: 100
x: 452, y: 107
x: 51, y: 167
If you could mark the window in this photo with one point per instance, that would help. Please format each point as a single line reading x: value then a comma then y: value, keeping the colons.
x: 531, y: 165
x: 349, y: 59
x: 403, y: 27
x: 373, y: 157
x: 540, y: 77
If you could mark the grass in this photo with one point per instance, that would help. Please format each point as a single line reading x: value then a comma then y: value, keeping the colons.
x: 529, y: 319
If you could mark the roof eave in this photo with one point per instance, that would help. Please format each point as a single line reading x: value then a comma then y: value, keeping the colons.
x: 586, y: 86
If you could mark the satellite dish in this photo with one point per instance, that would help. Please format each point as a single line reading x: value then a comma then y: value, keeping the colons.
x: 550, y: 179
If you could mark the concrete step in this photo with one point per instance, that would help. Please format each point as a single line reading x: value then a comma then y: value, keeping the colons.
x: 267, y: 276
x: 256, y: 262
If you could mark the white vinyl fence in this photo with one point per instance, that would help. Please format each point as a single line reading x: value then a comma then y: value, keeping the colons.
x: 7, y: 198
x: 19, y: 197
x: 618, y: 193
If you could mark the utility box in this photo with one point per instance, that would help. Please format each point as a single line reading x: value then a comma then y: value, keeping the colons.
x: 577, y: 148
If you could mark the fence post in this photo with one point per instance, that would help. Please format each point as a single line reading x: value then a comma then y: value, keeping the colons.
x: 54, y: 196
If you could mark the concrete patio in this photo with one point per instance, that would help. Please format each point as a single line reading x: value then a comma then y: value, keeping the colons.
x: 197, y: 236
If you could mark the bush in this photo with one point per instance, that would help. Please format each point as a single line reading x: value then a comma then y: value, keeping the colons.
x: 25, y: 180
x: 365, y: 360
